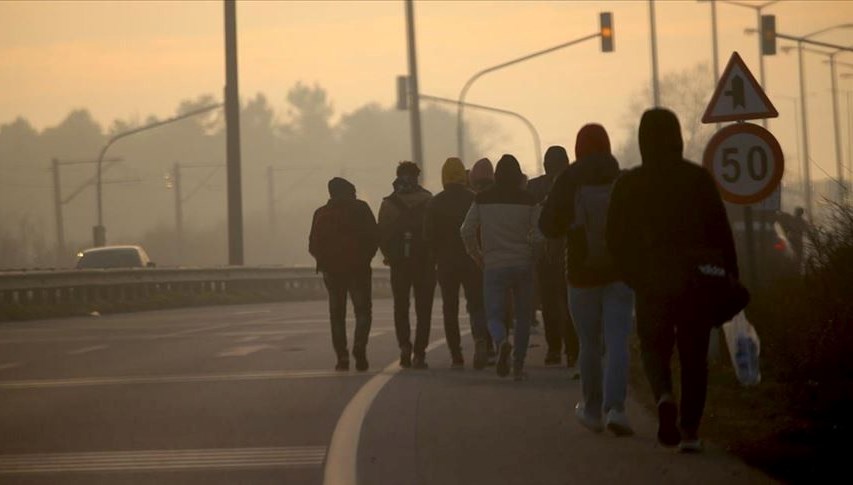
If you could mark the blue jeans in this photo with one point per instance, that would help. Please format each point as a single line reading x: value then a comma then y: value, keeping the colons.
x: 603, y: 318
x: 518, y: 280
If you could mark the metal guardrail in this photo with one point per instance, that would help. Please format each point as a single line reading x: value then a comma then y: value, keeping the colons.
x: 46, y: 287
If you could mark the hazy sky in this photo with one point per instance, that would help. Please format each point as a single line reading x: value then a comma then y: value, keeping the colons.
x: 131, y: 59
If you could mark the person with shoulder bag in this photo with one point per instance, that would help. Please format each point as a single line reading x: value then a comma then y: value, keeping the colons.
x: 671, y: 241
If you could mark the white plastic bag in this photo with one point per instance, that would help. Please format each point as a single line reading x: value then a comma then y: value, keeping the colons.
x: 744, y: 349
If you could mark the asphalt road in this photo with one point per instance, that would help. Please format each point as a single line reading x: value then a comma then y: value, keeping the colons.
x: 247, y: 394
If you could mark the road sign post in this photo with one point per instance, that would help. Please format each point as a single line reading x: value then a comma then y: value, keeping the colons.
x: 745, y: 160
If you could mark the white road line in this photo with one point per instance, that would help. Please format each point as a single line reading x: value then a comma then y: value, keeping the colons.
x: 124, y: 380
x: 244, y: 350
x: 86, y: 350
x: 342, y: 458
x: 10, y: 365
x: 163, y: 460
x: 251, y: 312
x: 377, y: 333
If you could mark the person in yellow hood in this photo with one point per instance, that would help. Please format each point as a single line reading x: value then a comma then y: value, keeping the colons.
x: 444, y: 215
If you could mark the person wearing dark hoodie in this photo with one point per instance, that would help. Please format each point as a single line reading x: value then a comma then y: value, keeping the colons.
x: 499, y: 232
x: 444, y: 215
x: 343, y: 240
x: 401, y: 239
x: 662, y: 214
x: 550, y: 272
x: 601, y: 304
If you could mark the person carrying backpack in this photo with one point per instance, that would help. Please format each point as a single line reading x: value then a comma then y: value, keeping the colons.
x: 343, y: 240
x: 600, y: 303
x: 401, y: 239
x: 444, y: 215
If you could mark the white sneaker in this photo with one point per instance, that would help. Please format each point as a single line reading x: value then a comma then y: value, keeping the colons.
x: 588, y: 422
x: 617, y: 422
x: 690, y: 446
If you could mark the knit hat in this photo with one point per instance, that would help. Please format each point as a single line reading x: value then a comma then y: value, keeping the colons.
x: 591, y: 139
x: 453, y: 172
x: 482, y: 173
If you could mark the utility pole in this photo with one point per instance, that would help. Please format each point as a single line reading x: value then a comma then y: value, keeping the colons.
x: 57, y: 206
x: 271, y: 201
x: 232, y: 128
x: 415, y: 111
x: 654, y: 42
x: 179, y: 211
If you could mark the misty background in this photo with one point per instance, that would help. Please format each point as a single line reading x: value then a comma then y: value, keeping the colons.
x: 287, y: 159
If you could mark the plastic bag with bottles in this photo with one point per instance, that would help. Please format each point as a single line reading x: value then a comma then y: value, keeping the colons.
x: 744, y: 349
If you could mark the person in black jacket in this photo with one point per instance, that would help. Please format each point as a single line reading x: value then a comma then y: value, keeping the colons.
x: 662, y: 215
x: 343, y: 240
x: 550, y: 271
x: 444, y: 215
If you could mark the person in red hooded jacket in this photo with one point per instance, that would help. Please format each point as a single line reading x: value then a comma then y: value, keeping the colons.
x: 601, y: 304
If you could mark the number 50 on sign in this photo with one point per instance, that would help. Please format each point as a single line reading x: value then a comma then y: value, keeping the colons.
x: 746, y: 161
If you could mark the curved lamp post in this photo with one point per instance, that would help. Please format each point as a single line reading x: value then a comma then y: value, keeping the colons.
x: 99, y: 232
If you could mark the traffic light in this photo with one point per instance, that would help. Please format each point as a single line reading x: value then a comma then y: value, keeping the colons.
x: 402, y: 93
x: 768, y: 35
x: 606, y: 32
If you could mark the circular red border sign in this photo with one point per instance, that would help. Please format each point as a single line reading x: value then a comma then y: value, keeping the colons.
x: 778, y: 161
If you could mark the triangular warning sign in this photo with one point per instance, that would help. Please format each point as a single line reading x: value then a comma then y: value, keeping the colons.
x: 738, y: 96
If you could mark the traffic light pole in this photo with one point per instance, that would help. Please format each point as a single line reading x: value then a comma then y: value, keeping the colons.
x: 460, y: 127
x: 415, y: 110
x: 232, y: 141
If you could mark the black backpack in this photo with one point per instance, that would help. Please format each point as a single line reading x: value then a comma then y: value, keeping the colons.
x: 407, y: 236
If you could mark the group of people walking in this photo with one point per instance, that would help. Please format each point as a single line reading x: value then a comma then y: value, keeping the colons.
x: 600, y: 246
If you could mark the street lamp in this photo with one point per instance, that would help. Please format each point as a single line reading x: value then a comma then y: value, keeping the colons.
x: 807, y: 189
x: 603, y: 31
x: 839, y: 168
x: 99, y: 232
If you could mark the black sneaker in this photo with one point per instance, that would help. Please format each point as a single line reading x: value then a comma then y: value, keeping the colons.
x: 343, y: 364
x: 406, y: 357
x: 502, y: 366
x: 668, y: 434
x: 419, y: 362
x: 553, y: 358
x: 361, y: 363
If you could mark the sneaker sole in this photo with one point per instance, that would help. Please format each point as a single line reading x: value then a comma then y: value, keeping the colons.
x: 619, y: 429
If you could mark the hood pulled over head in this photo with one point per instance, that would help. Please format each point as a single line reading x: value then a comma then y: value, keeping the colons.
x: 592, y: 139
x: 340, y: 188
x: 660, y: 137
x: 508, y: 172
x: 556, y: 160
x: 453, y: 172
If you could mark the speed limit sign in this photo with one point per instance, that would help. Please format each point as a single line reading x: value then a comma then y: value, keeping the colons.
x: 746, y: 161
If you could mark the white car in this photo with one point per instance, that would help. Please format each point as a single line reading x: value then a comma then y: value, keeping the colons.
x: 114, y: 257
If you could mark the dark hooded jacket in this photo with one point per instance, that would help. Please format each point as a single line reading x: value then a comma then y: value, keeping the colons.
x: 594, y: 165
x: 665, y: 213
x: 444, y: 215
x: 556, y: 160
x: 504, y: 217
x: 344, y: 235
